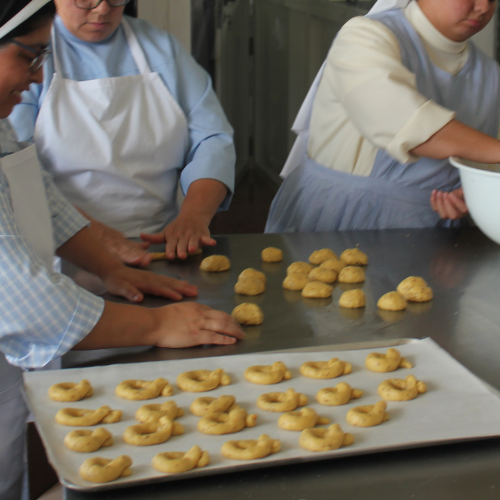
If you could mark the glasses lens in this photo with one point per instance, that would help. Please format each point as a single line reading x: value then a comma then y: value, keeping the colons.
x: 92, y: 4
x: 39, y: 60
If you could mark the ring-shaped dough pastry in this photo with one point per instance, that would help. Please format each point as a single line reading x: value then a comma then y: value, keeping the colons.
x: 152, y: 432
x: 415, y: 289
x: 138, y: 390
x: 352, y: 274
x: 325, y: 369
x: 321, y: 439
x: 281, y: 401
x: 248, y: 314
x: 215, y: 264
x: 173, y: 462
x: 202, y: 380
x: 299, y: 267
x: 300, y: 420
x: 104, y: 470
x: 272, y: 254
x: 78, y: 417
x: 392, y: 301
x: 382, y: 363
x: 252, y: 273
x: 323, y: 275
x: 70, y: 391
x: 206, y: 405
x: 396, y: 389
x: 268, y: 374
x: 354, y: 257
x: 339, y: 395
x: 368, y: 415
x: 226, y: 423
x: 87, y: 441
x: 320, y: 256
x: 153, y: 412
x: 317, y: 290
x: 250, y: 449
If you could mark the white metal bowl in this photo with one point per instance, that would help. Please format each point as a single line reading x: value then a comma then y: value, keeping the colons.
x: 481, y: 184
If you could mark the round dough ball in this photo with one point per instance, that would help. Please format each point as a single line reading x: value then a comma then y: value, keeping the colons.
x: 215, y: 264
x: 248, y: 314
x: 317, y: 290
x: 322, y: 274
x: 354, y: 257
x: 392, y: 301
x: 299, y: 268
x: 351, y: 274
x: 252, y: 273
x: 250, y: 286
x: 353, y: 299
x: 319, y: 256
x: 415, y: 289
x: 334, y: 265
x: 295, y: 281
x: 272, y: 254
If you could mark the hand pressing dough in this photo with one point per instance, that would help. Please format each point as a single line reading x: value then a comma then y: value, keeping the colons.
x: 252, y: 274
x: 392, y: 301
x: 354, y: 257
x: 352, y: 299
x: 215, y: 264
x: 317, y: 290
x: 295, y: 281
x: 352, y: 274
x: 272, y: 254
x: 248, y: 314
x: 415, y: 289
x: 333, y: 264
x: 299, y: 268
x: 319, y: 256
x: 250, y: 286
x: 324, y: 275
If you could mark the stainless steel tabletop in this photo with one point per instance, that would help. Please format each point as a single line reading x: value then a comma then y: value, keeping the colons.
x: 463, y: 268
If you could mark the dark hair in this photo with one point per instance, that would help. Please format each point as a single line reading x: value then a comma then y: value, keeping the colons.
x: 36, y: 21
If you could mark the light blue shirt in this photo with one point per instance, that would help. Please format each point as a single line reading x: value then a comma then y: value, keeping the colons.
x: 43, y: 314
x: 211, y: 151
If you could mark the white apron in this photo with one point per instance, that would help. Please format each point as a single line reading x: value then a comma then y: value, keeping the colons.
x: 29, y: 202
x: 302, y: 122
x: 115, y: 145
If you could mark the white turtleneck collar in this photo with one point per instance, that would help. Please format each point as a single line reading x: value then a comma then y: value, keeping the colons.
x: 448, y: 55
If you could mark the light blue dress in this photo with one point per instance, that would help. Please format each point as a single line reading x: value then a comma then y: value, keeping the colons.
x: 394, y: 195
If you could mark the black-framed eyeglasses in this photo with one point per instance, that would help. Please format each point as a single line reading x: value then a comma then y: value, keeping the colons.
x: 93, y: 4
x: 39, y: 55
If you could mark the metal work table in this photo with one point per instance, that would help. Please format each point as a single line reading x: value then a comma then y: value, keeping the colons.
x: 463, y: 268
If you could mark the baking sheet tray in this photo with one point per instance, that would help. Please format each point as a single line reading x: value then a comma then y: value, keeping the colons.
x: 457, y: 406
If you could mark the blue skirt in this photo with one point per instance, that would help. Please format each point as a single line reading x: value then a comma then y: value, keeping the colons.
x: 314, y: 198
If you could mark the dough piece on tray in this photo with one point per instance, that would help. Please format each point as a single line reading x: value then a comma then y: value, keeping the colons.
x: 332, y: 368
x: 299, y: 267
x: 319, y: 256
x: 137, y: 390
x: 226, y: 423
x: 215, y: 264
x: 317, y: 290
x: 321, y: 439
x: 105, y: 470
x: 152, y: 433
x: 202, y: 380
x: 250, y: 286
x: 77, y: 417
x: 295, y: 281
x: 281, y: 401
x: 300, y: 420
x: 205, y: 405
x: 339, y: 395
x: 396, y: 389
x: 87, y: 441
x: 70, y: 391
x: 322, y: 274
x: 174, y: 462
x: 388, y: 362
x: 248, y: 314
x: 415, y: 289
x: 251, y: 273
x: 392, y: 301
x: 268, y: 374
x: 272, y: 254
x: 353, y: 299
x: 153, y: 412
x: 368, y: 415
x: 250, y: 449
x: 354, y: 257
x: 352, y: 274
x: 334, y: 265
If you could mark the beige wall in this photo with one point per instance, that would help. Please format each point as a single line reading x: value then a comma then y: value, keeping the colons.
x: 171, y: 15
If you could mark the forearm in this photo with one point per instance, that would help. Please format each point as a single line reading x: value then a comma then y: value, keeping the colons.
x: 122, y: 325
x: 202, y: 200
x: 457, y: 139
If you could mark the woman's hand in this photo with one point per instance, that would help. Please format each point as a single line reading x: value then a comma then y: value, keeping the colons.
x: 190, y: 324
x: 449, y: 205
x: 181, y: 236
x: 133, y: 284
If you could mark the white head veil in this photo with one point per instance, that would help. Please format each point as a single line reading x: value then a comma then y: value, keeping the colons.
x: 382, y: 5
x: 21, y: 16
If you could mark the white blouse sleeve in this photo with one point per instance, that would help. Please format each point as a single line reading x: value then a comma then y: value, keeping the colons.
x: 378, y: 92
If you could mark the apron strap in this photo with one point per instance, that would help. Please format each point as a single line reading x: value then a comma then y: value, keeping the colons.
x: 57, y: 64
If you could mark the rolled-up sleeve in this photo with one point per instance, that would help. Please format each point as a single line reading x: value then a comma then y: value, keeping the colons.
x: 378, y: 92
